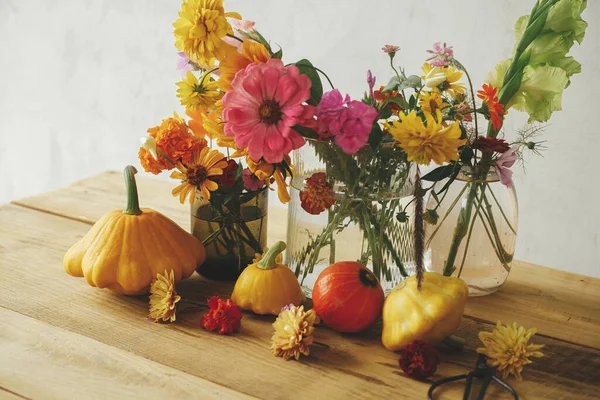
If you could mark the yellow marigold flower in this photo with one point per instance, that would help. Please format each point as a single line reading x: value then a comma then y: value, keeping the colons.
x: 252, y: 52
x: 163, y: 298
x: 445, y: 79
x: 431, y: 101
x: 196, y: 94
x: 508, y: 349
x: 426, y: 142
x: 200, y: 29
x: 293, y: 332
x: 206, y: 164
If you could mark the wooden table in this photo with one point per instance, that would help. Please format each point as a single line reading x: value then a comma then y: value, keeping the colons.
x: 60, y: 338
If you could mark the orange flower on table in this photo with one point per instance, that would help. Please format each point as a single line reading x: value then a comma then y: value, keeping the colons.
x: 318, y: 195
x: 196, y: 175
x: 489, y: 95
x: 252, y: 52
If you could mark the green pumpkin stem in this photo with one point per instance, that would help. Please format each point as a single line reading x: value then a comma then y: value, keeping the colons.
x: 133, y: 204
x: 268, y: 260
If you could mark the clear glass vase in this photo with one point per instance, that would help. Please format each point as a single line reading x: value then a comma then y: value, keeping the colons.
x: 364, y: 222
x: 232, y: 233
x: 474, y: 236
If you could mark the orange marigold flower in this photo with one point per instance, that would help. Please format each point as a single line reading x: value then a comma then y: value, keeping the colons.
x: 381, y: 97
x: 489, y: 95
x: 318, y: 195
x: 152, y: 165
x: 252, y: 52
x: 224, y: 316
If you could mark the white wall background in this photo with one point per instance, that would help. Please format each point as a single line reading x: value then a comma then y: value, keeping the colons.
x: 82, y: 80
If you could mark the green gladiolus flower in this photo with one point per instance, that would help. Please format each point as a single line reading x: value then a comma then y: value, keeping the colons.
x: 565, y: 17
x: 541, y: 90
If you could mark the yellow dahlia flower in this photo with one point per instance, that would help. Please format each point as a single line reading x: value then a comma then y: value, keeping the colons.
x: 196, y: 94
x: 427, y: 142
x: 163, y: 298
x: 293, y: 332
x: 200, y: 30
x: 508, y: 349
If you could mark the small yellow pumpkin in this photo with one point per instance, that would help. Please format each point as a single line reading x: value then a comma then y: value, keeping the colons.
x: 125, y: 249
x: 431, y: 314
x: 266, y: 286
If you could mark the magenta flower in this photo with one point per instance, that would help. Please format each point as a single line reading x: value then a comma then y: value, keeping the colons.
x: 358, y: 122
x: 184, y: 64
x: 390, y: 49
x: 442, y: 55
x: 503, y: 165
x: 371, y: 82
x: 251, y: 182
x: 329, y: 112
x: 264, y: 104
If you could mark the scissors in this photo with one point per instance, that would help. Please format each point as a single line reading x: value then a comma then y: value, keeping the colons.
x: 482, y: 371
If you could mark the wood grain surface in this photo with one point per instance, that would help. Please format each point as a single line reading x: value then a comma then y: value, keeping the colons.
x: 72, y: 332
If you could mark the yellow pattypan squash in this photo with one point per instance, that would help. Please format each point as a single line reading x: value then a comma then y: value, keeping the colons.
x: 431, y: 314
x: 266, y: 286
x: 126, y: 249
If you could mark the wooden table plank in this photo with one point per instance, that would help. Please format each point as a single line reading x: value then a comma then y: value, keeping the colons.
x: 560, y: 304
x: 41, y: 361
x: 353, y: 366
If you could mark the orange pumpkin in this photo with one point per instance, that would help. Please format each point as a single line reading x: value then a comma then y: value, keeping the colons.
x: 348, y: 297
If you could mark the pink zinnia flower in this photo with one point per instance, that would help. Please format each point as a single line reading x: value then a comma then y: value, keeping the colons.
x: 263, y: 106
x: 503, y: 165
x: 358, y: 121
x: 251, y: 182
x: 442, y: 55
x: 390, y: 49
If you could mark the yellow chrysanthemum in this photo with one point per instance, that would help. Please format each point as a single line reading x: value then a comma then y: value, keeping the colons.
x: 508, y: 349
x: 200, y: 29
x: 163, y: 298
x: 445, y: 79
x: 426, y: 142
x: 208, y: 162
x: 293, y: 332
x: 196, y: 94
x: 431, y: 101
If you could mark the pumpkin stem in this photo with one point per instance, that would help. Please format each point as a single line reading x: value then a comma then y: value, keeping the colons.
x: 133, y: 204
x: 268, y: 260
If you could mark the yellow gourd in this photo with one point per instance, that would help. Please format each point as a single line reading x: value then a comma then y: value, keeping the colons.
x: 432, y: 314
x: 125, y: 249
x: 266, y: 287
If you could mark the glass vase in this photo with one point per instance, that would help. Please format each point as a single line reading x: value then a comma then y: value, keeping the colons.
x: 232, y: 234
x: 474, y: 236
x: 365, y: 219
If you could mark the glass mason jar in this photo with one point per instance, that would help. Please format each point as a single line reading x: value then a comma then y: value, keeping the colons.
x: 474, y: 237
x: 232, y: 233
x: 367, y: 192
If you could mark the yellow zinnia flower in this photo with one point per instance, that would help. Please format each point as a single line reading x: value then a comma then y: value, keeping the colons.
x: 293, y: 332
x: 196, y: 176
x: 163, y: 298
x: 200, y: 30
x: 196, y: 94
x: 431, y: 101
x: 423, y: 143
x: 508, y: 349
x: 445, y: 79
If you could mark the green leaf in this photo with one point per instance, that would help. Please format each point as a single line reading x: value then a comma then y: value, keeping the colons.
x: 397, y: 100
x: 412, y: 81
x: 375, y: 136
x: 392, y: 84
x: 306, y: 132
x: 316, y: 89
x: 439, y: 173
x: 278, y: 54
